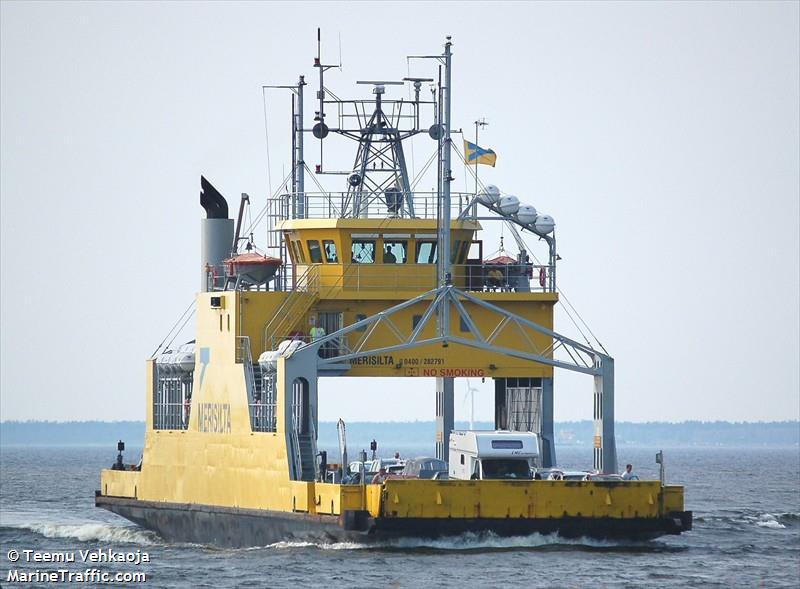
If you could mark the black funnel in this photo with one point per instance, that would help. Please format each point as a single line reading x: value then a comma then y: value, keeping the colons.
x: 212, y: 201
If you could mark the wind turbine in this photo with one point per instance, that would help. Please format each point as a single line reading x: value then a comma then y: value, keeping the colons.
x: 471, y: 392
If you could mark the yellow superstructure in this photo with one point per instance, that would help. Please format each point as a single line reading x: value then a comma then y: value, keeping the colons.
x: 375, y: 281
x: 218, y: 460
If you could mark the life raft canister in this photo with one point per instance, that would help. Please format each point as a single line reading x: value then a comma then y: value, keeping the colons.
x: 542, y: 276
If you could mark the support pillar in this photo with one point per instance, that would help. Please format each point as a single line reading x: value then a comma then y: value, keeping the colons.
x: 500, y: 407
x: 605, y: 446
x: 548, y: 447
x: 445, y: 409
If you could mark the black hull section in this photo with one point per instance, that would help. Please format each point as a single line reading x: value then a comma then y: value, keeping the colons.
x: 566, y: 527
x: 238, y: 528
x: 223, y: 526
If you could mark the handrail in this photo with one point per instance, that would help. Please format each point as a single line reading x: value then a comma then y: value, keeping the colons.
x: 298, y: 464
x: 307, y: 283
x: 333, y: 204
x: 245, y: 356
x: 312, y: 419
x: 477, y: 277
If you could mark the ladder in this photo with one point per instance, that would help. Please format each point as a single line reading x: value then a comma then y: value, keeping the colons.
x: 294, y: 306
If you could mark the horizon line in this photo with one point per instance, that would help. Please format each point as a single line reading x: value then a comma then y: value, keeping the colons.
x: 408, y: 421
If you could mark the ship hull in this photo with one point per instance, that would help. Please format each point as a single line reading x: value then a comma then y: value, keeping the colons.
x: 237, y: 528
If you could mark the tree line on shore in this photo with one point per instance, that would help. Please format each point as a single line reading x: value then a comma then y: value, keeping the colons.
x: 417, y: 433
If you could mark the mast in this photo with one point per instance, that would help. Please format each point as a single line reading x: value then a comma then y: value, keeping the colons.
x: 479, y: 123
x: 320, y: 94
x: 444, y: 196
x: 299, y: 164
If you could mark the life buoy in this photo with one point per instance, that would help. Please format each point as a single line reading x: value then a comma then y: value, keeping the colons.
x: 542, y: 276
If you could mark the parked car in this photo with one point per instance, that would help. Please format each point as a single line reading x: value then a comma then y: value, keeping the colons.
x: 568, y: 475
x: 390, y: 464
x: 423, y: 468
x: 355, y: 466
x: 543, y: 474
x: 393, y: 466
x: 604, y: 477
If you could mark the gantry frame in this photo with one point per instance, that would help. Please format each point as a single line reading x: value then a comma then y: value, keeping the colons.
x: 580, y: 357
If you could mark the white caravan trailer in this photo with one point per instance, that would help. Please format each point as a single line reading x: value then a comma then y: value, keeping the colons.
x: 492, y: 454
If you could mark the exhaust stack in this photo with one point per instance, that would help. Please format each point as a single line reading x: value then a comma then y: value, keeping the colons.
x: 216, y: 236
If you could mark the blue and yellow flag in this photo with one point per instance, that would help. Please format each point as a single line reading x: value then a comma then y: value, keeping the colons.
x: 479, y: 155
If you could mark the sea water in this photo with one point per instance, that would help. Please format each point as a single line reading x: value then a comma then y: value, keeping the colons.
x: 746, y: 504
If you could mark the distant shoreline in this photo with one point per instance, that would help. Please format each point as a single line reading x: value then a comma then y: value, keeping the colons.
x: 417, y: 434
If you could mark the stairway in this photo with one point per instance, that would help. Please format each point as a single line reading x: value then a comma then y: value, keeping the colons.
x: 308, y: 457
x: 294, y: 307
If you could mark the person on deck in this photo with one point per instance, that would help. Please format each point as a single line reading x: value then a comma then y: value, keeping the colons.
x: 316, y: 332
x: 628, y: 474
x: 494, y: 279
x: 187, y: 407
x: 380, y: 477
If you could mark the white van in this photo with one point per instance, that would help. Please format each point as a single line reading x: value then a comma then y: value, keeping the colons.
x: 493, y: 455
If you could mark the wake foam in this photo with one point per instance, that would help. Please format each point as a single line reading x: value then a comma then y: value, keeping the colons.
x: 91, y: 532
x: 767, y: 520
x: 286, y: 544
x: 465, y: 542
x: 771, y: 521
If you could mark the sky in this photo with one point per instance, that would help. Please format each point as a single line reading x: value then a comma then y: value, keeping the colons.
x: 664, y: 138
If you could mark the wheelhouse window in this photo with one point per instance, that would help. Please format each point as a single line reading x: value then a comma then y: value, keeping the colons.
x: 330, y: 251
x: 465, y: 247
x: 454, y: 253
x: 314, y: 251
x: 363, y: 251
x: 395, y: 252
x: 459, y: 253
x: 426, y: 252
x: 301, y: 257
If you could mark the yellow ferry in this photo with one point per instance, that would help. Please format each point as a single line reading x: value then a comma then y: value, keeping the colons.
x: 375, y: 280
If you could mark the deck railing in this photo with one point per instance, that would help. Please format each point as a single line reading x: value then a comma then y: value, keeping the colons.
x: 335, y: 205
x: 420, y: 277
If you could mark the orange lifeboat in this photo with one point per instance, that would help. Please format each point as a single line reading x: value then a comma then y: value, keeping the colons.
x: 251, y: 268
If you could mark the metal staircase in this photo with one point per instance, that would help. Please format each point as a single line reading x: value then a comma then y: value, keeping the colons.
x: 304, y: 449
x: 296, y: 304
x: 308, y: 459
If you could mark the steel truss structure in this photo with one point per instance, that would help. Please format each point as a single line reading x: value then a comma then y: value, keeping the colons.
x: 578, y: 357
